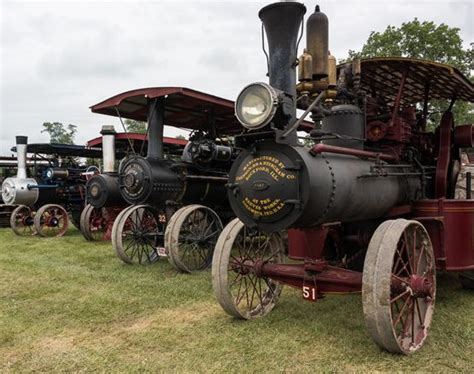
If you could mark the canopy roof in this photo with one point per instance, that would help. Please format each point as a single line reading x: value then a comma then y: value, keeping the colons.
x: 184, y: 108
x: 123, y: 140
x: 70, y: 150
x: 383, y: 76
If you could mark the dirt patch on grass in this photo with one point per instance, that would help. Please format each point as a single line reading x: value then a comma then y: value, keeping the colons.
x: 179, y: 317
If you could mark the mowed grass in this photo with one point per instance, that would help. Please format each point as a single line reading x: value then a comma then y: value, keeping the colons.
x: 70, y: 305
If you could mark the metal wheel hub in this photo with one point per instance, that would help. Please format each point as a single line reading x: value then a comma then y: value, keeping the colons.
x: 419, y: 286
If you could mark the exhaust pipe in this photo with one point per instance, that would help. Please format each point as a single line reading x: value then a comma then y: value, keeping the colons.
x: 282, y: 22
x: 156, y: 117
x: 21, y: 144
x: 108, y: 148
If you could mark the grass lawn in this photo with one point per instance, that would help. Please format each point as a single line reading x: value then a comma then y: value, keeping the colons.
x: 70, y: 305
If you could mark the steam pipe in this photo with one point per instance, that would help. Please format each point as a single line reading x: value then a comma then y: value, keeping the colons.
x: 21, y: 144
x: 325, y: 148
x: 108, y: 148
x: 156, y: 117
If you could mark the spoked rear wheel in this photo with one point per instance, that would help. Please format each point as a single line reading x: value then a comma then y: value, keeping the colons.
x: 191, y: 236
x: 137, y: 234
x: 95, y: 224
x: 84, y: 229
x: 399, y: 286
x: 51, y: 220
x: 22, y: 221
x: 240, y: 292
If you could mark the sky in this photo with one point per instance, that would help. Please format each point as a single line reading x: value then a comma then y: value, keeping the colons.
x: 58, y: 58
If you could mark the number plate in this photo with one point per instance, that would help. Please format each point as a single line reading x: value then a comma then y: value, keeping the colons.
x: 310, y: 293
x: 162, y: 252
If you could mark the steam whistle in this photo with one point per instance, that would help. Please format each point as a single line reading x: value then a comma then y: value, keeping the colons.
x: 317, y: 67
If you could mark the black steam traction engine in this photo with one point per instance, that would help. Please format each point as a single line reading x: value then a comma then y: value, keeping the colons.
x: 369, y: 208
x: 103, y: 197
x: 157, y: 186
x: 57, y: 189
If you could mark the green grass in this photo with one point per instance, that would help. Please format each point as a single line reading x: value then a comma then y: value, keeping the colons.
x: 69, y: 305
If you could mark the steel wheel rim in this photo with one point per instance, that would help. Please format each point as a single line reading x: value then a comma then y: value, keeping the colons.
x: 83, y: 223
x: 22, y: 221
x: 138, y: 235
x: 240, y: 292
x: 399, y: 305
x: 191, y: 237
x: 51, y: 220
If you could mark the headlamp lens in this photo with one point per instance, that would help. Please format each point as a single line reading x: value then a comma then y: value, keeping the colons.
x: 255, y: 106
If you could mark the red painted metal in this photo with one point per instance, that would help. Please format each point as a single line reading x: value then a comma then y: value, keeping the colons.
x: 325, y: 148
x: 444, y: 155
x: 450, y: 224
x: 464, y: 136
x: 306, y: 243
x: 326, y: 278
x: 122, y: 136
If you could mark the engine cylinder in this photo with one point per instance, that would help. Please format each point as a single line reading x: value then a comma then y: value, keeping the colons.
x: 277, y: 186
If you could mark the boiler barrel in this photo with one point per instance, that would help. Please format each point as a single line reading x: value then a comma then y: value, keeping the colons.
x: 280, y: 186
x: 104, y: 191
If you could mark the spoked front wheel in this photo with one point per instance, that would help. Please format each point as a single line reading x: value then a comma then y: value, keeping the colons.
x: 137, y: 235
x: 240, y: 291
x: 94, y: 224
x: 191, y: 236
x: 51, y: 220
x: 22, y: 221
x: 399, y: 286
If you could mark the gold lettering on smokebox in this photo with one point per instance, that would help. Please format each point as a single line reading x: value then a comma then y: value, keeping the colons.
x: 275, y: 169
x: 265, y: 164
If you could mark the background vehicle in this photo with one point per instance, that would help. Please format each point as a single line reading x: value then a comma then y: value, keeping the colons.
x: 55, y: 191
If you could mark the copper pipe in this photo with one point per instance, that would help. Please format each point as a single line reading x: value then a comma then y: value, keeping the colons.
x: 325, y: 148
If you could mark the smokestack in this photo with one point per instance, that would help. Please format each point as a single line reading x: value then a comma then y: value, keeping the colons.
x: 317, y: 42
x: 156, y: 115
x: 108, y: 148
x: 282, y: 21
x: 21, y: 144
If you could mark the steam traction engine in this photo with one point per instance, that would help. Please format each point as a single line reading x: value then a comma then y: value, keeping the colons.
x: 369, y: 207
x: 104, y: 200
x: 156, y: 187
x: 46, y: 199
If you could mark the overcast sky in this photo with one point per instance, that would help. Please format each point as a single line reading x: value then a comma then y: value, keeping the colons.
x: 60, y: 57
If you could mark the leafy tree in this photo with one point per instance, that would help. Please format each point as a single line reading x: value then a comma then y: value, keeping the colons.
x: 425, y: 40
x: 135, y: 126
x: 58, y: 133
x: 180, y: 137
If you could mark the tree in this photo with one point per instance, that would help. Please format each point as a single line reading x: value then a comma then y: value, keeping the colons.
x: 180, y: 137
x: 58, y: 133
x: 428, y: 41
x: 135, y: 126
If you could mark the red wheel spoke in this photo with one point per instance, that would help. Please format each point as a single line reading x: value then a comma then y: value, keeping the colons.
x: 399, y: 296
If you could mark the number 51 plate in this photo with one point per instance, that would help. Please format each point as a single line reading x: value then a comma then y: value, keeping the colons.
x: 310, y: 293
